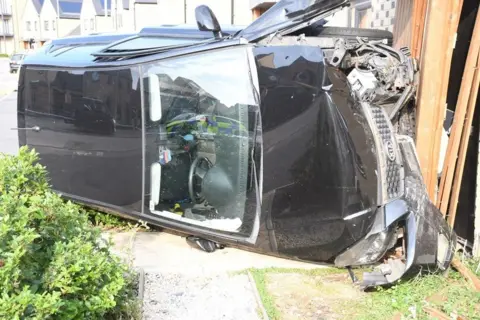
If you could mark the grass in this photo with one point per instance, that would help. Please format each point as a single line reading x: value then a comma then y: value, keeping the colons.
x: 109, y: 222
x: 473, y: 265
x: 260, y: 278
x: 408, y: 298
x: 451, y: 295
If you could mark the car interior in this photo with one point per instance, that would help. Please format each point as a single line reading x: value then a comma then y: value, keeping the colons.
x: 204, y: 169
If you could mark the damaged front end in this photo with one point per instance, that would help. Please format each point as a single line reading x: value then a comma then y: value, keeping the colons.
x: 378, y: 73
x: 409, y: 233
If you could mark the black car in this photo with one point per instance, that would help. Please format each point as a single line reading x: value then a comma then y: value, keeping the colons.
x: 284, y: 137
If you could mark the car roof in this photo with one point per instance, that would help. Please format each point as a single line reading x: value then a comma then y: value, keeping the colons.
x: 173, y: 31
x: 78, y: 51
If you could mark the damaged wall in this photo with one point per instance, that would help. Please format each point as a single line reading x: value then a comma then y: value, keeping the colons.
x: 464, y: 222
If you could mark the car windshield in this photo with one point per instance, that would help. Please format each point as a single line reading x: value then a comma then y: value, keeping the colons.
x: 152, y: 42
x: 201, y: 121
x: 17, y: 57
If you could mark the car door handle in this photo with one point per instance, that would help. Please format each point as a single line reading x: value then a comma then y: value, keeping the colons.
x: 35, y: 128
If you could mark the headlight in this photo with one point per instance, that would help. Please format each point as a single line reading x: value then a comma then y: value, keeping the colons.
x: 367, y: 251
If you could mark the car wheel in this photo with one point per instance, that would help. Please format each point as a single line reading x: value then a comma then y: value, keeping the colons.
x: 318, y: 30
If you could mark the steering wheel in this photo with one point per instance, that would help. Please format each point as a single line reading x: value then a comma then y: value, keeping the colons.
x: 198, y: 169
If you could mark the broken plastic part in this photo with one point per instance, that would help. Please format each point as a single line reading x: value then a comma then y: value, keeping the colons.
x: 366, y: 251
x: 203, y: 244
x: 352, y: 275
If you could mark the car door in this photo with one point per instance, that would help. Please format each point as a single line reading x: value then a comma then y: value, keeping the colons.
x: 203, y: 162
x: 86, y: 127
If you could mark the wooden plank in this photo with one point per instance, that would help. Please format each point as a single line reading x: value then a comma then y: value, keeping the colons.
x: 467, y: 128
x: 435, y: 66
x: 435, y: 313
x: 472, y: 279
x: 476, y: 228
x: 455, y: 10
x: 459, y: 119
x: 418, y: 27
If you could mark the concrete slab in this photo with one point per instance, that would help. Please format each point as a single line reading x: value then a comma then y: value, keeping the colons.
x: 167, y: 253
x: 8, y: 81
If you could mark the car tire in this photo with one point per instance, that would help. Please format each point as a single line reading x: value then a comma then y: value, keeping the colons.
x: 318, y: 30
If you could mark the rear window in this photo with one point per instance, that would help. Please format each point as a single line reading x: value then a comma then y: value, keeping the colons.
x: 17, y: 57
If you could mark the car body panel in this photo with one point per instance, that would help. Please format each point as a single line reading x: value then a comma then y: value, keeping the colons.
x: 84, y: 157
x: 307, y: 196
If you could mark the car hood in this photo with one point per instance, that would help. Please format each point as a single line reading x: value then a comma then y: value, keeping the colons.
x: 290, y: 15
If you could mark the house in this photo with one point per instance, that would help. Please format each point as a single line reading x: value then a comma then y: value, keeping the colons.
x: 96, y: 16
x: 29, y: 24
x: 376, y: 14
x: 7, y: 43
x: 60, y: 18
x: 18, y: 9
x: 133, y: 15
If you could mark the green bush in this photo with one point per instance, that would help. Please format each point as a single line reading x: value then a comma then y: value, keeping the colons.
x: 53, y: 262
x: 4, y: 55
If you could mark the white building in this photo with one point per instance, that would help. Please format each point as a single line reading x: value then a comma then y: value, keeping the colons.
x: 7, y: 42
x: 96, y: 16
x: 60, y: 18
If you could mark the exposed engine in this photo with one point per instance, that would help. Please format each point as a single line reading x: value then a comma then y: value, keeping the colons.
x: 377, y: 72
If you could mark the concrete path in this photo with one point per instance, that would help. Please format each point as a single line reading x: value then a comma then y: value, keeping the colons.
x: 186, y: 283
x: 168, y: 253
x: 8, y: 120
x: 8, y: 81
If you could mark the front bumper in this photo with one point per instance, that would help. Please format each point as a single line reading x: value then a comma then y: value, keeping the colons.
x: 14, y: 66
x: 429, y: 243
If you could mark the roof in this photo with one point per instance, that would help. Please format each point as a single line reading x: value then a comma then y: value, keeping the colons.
x: 100, y: 7
x: 38, y: 5
x: 75, y: 32
x: 79, y: 51
x: 69, y: 9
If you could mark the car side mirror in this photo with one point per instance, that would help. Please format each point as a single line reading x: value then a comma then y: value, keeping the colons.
x: 207, y: 21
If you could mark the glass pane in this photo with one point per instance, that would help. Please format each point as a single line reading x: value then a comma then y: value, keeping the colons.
x: 151, y: 42
x: 200, y: 151
x: 91, y: 132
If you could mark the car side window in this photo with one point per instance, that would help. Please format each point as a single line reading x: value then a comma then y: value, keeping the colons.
x: 201, y: 123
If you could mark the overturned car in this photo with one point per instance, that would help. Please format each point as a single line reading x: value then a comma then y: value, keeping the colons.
x: 285, y: 137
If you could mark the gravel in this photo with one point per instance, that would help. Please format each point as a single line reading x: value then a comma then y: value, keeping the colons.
x: 178, y: 296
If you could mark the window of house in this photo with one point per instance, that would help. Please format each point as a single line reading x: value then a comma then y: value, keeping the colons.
x: 45, y: 25
x: 29, y: 26
x: 36, y: 27
x: 363, y: 16
x: 119, y: 20
x: 85, y: 24
x: 92, y: 24
x: 53, y: 25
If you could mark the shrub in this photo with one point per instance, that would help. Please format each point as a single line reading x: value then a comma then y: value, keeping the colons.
x: 53, y: 262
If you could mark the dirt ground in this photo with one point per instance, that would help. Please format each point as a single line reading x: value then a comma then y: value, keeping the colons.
x: 300, y: 296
